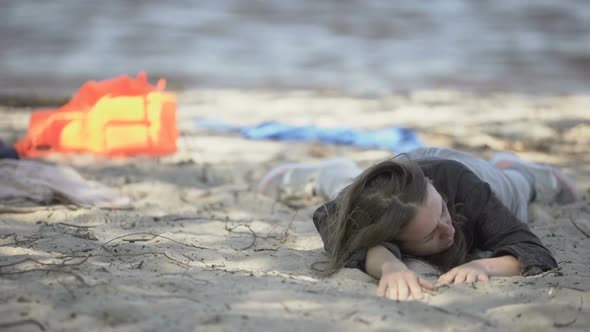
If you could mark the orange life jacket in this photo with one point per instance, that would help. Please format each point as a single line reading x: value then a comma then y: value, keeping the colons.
x: 121, y: 116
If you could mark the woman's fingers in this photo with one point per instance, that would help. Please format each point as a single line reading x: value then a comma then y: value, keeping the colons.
x: 391, y: 293
x: 415, y: 289
x: 402, y: 290
x: 457, y: 276
x: 471, y: 277
x: 425, y: 283
x: 382, y: 287
x: 446, y: 278
x: 483, y: 277
x: 460, y: 277
x: 403, y: 286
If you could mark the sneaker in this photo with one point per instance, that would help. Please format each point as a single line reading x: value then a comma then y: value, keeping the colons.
x: 297, y: 180
x: 550, y: 183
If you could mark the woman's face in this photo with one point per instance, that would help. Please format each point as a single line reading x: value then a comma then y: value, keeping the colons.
x: 431, y: 231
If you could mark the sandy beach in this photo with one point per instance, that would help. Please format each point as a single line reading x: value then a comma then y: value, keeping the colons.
x: 201, y: 251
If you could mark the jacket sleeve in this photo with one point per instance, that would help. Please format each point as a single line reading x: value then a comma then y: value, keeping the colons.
x: 322, y: 218
x: 498, y: 230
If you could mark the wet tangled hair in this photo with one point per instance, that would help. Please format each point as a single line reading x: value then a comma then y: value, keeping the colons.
x: 376, y: 206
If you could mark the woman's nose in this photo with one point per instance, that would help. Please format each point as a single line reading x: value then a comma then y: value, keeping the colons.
x: 447, y: 230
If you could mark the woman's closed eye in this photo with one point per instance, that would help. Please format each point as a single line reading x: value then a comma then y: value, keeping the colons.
x: 431, y: 236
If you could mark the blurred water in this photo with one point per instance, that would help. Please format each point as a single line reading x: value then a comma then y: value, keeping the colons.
x: 360, y: 46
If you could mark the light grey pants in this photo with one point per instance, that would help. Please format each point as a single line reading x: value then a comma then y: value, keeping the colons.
x: 512, y: 187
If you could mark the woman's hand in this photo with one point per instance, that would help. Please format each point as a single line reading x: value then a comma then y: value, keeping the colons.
x: 401, y: 285
x: 481, y: 270
x: 466, y: 273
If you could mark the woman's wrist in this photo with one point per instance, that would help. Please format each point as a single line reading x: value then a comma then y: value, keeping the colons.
x: 380, y: 260
x: 392, y: 266
x: 503, y: 266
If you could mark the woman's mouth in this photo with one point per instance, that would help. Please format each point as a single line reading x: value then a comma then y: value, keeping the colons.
x: 451, y: 230
x: 450, y: 242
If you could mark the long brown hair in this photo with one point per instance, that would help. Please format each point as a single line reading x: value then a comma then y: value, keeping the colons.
x: 376, y: 206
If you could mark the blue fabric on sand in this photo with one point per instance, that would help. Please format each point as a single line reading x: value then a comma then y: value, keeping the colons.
x: 390, y: 138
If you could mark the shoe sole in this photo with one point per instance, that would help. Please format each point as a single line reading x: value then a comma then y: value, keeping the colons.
x: 277, y: 173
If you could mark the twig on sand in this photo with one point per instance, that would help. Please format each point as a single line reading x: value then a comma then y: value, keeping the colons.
x: 281, y: 236
x: 33, y: 209
x: 252, y: 233
x: 578, y: 227
x: 22, y: 322
x: 153, y: 236
x: 183, y: 264
x: 55, y: 267
x: 559, y: 325
x: 75, y: 275
x: 164, y: 254
x: 58, y: 267
x: 136, y: 240
x: 75, y: 226
x: 62, y: 264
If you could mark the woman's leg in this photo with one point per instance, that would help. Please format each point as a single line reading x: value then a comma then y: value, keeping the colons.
x: 513, y: 187
x: 514, y: 181
x: 324, y: 178
x: 550, y: 183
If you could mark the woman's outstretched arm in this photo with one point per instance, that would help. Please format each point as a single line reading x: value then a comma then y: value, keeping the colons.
x: 481, y: 269
x: 497, y: 229
x: 396, y: 281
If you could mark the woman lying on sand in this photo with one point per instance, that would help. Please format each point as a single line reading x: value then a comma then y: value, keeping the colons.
x: 441, y: 205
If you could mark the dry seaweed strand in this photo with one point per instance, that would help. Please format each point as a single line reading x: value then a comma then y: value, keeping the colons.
x: 75, y: 226
x: 31, y: 239
x: 281, y: 237
x: 54, y: 267
x: 578, y: 227
x: 252, y: 233
x: 154, y: 236
x: 29, y: 321
x: 58, y: 267
x: 29, y: 259
x: 75, y: 275
x: 33, y: 209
